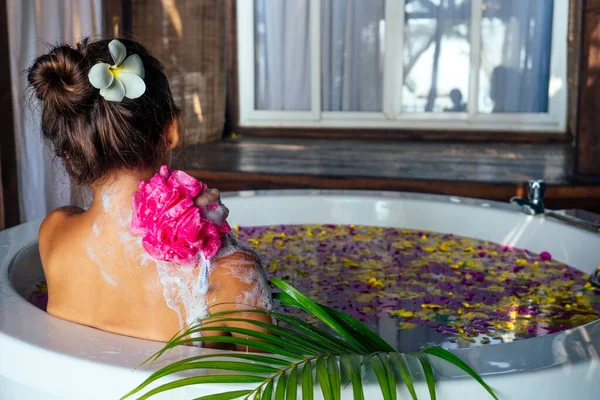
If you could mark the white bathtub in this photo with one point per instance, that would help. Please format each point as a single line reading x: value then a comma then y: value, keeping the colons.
x: 45, y: 358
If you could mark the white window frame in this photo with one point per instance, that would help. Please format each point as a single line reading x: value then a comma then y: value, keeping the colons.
x: 392, y: 117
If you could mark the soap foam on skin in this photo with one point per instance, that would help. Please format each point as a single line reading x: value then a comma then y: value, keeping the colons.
x: 181, y: 290
x: 106, y: 198
x: 214, y: 212
x: 248, y: 272
x: 187, y: 301
x: 96, y: 258
x: 184, y: 288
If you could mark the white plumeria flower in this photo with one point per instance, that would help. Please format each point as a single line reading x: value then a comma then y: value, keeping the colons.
x: 123, y: 79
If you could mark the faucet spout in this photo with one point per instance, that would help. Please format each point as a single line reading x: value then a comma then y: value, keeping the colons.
x: 534, y: 203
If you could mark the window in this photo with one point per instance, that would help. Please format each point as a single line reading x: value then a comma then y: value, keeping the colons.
x: 416, y: 64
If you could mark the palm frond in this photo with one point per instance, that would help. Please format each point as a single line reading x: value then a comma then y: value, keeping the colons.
x: 268, y: 392
x: 225, y: 396
x: 292, y: 388
x: 428, y: 372
x: 171, y: 368
x: 307, y: 382
x: 352, y: 365
x: 374, y: 342
x: 383, y: 373
x: 197, y: 380
x: 299, y: 352
x: 280, y: 388
x: 400, y: 362
x: 306, y: 304
x: 325, y: 379
x: 309, y: 345
x: 451, y: 358
x: 336, y: 378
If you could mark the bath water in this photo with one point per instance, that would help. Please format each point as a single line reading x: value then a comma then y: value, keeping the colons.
x: 418, y: 288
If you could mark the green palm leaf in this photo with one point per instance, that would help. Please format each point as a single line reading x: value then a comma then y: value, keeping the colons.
x: 370, y: 340
x: 325, y: 379
x: 225, y: 396
x: 292, y: 385
x: 171, y: 367
x: 196, y: 380
x: 428, y: 372
x: 250, y: 343
x: 332, y: 343
x: 377, y: 343
x: 291, y: 347
x: 352, y: 364
x: 307, y: 343
x: 400, y: 362
x: 280, y: 388
x: 295, y: 346
x: 268, y: 392
x: 315, y: 309
x: 382, y: 373
x: 307, y: 382
x: 446, y: 355
x: 336, y: 378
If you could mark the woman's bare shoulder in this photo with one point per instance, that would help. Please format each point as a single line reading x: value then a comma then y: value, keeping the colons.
x: 54, y: 226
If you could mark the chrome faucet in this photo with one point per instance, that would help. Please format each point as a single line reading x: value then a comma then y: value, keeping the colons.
x: 534, y: 203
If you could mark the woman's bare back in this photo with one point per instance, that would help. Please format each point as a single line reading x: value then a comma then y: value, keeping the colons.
x: 100, y: 275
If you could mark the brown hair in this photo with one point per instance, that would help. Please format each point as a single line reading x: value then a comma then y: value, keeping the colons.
x: 92, y: 135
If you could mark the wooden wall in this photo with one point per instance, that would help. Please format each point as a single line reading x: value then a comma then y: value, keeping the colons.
x: 9, y: 202
x: 587, y: 163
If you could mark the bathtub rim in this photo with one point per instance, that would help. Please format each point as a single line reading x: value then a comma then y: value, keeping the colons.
x: 35, y: 345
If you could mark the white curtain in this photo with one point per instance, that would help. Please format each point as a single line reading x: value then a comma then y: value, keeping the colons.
x: 282, y: 55
x: 33, y: 25
x: 351, y: 55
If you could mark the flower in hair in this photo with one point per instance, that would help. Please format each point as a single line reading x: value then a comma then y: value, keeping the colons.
x: 125, y: 78
x: 172, y: 226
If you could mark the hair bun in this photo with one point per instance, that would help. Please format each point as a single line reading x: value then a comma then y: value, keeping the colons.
x: 59, y: 79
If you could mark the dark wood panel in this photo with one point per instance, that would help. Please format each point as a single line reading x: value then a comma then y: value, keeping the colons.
x: 591, y: 5
x: 2, y: 223
x: 9, y: 201
x: 234, y: 181
x: 403, y: 134
x: 557, y: 196
x: 588, y: 135
x: 475, y: 162
x: 113, y: 18
x: 574, y: 62
x: 489, y: 171
x: 191, y: 45
x: 232, y: 115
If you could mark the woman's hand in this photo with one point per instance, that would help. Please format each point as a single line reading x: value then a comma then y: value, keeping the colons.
x: 211, y: 206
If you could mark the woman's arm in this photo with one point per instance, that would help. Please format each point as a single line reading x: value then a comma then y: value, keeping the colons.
x: 238, y: 282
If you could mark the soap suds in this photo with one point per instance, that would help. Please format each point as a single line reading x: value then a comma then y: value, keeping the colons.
x: 248, y: 271
x: 216, y: 213
x: 93, y: 256
x: 184, y: 290
x: 106, y: 198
